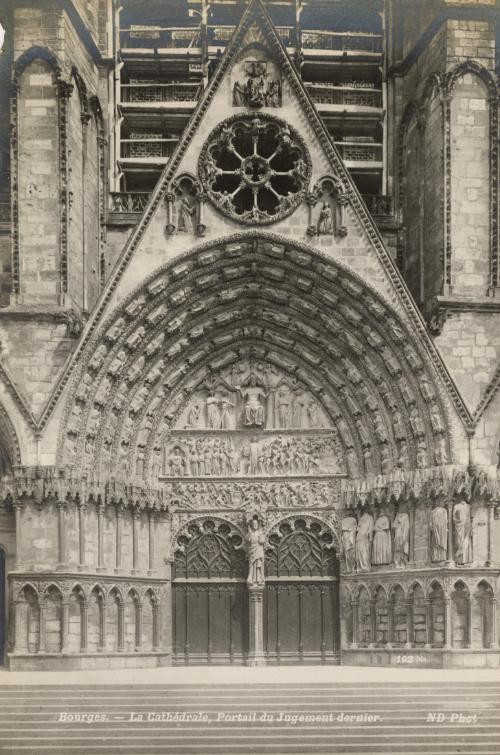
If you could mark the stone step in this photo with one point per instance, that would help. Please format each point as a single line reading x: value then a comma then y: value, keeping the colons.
x: 251, y: 718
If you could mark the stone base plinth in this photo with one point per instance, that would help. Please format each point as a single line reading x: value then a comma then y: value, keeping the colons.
x: 420, y: 657
x: 80, y: 662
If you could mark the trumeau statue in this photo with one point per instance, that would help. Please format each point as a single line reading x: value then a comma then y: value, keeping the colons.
x: 255, y: 550
x: 439, y: 533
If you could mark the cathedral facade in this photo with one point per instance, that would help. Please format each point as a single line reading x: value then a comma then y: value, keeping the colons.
x: 249, y: 350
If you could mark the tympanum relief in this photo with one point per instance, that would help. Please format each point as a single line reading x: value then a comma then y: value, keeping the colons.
x: 251, y: 436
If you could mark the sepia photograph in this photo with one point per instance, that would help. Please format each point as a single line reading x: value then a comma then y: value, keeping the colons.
x: 249, y: 377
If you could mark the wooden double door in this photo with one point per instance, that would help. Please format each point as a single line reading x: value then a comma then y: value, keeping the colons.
x: 210, y: 600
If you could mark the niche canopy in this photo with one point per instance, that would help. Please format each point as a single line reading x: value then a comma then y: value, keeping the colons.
x: 255, y: 169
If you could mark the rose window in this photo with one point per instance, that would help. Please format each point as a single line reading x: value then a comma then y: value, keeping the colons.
x: 255, y: 169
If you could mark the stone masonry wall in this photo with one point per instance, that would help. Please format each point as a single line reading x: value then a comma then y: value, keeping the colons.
x: 38, y: 185
x: 470, y: 187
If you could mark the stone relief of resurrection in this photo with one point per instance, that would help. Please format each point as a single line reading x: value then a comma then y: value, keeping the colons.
x: 255, y: 168
x: 210, y: 456
x: 258, y: 85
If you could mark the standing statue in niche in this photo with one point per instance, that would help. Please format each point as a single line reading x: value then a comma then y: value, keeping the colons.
x: 255, y: 546
x: 325, y: 221
x: 439, y: 532
x: 349, y: 526
x: 462, y: 531
x: 185, y: 215
x: 381, y: 553
x: 364, y: 537
x: 401, y: 528
x: 254, y: 396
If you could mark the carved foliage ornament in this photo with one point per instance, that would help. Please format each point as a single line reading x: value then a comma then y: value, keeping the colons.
x: 255, y: 169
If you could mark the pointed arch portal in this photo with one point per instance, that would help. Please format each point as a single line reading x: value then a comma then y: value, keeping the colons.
x: 253, y: 377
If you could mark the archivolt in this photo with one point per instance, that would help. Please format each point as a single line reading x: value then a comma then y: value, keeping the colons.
x: 282, y: 304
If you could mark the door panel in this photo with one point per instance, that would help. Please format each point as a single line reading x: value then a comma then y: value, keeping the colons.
x: 301, y: 622
x: 210, y: 623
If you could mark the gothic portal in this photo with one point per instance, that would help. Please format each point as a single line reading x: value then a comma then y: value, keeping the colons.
x: 248, y: 399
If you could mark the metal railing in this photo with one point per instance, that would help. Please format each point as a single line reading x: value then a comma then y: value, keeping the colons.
x: 342, y: 41
x: 128, y: 201
x: 147, y: 147
x: 152, y: 92
x: 325, y: 94
x: 360, y: 151
x: 379, y: 205
x: 158, y: 37
x: 219, y: 36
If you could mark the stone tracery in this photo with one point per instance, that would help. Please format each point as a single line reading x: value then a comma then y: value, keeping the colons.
x: 255, y: 169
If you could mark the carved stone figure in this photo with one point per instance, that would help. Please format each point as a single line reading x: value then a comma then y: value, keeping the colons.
x: 363, y: 432
x: 403, y: 458
x: 226, y: 407
x: 176, y: 463
x: 426, y: 387
x: 299, y: 404
x: 102, y: 392
x: 94, y: 422
x: 254, y: 394
x: 283, y: 405
x: 193, y: 416
x: 239, y: 94
x: 185, y: 215
x: 84, y: 387
x: 441, y: 452
x: 436, y: 421
x: 213, y: 415
x: 439, y: 532
x: 325, y: 221
x: 349, y: 526
x: 380, y: 429
x: 462, y: 533
x: 74, y: 420
x: 385, y: 459
x: 382, y: 550
x: 416, y: 422
x: 364, y: 537
x: 421, y: 455
x: 398, y: 425
x: 255, y: 549
x: 313, y: 412
x: 401, y: 529
x: 368, y: 398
